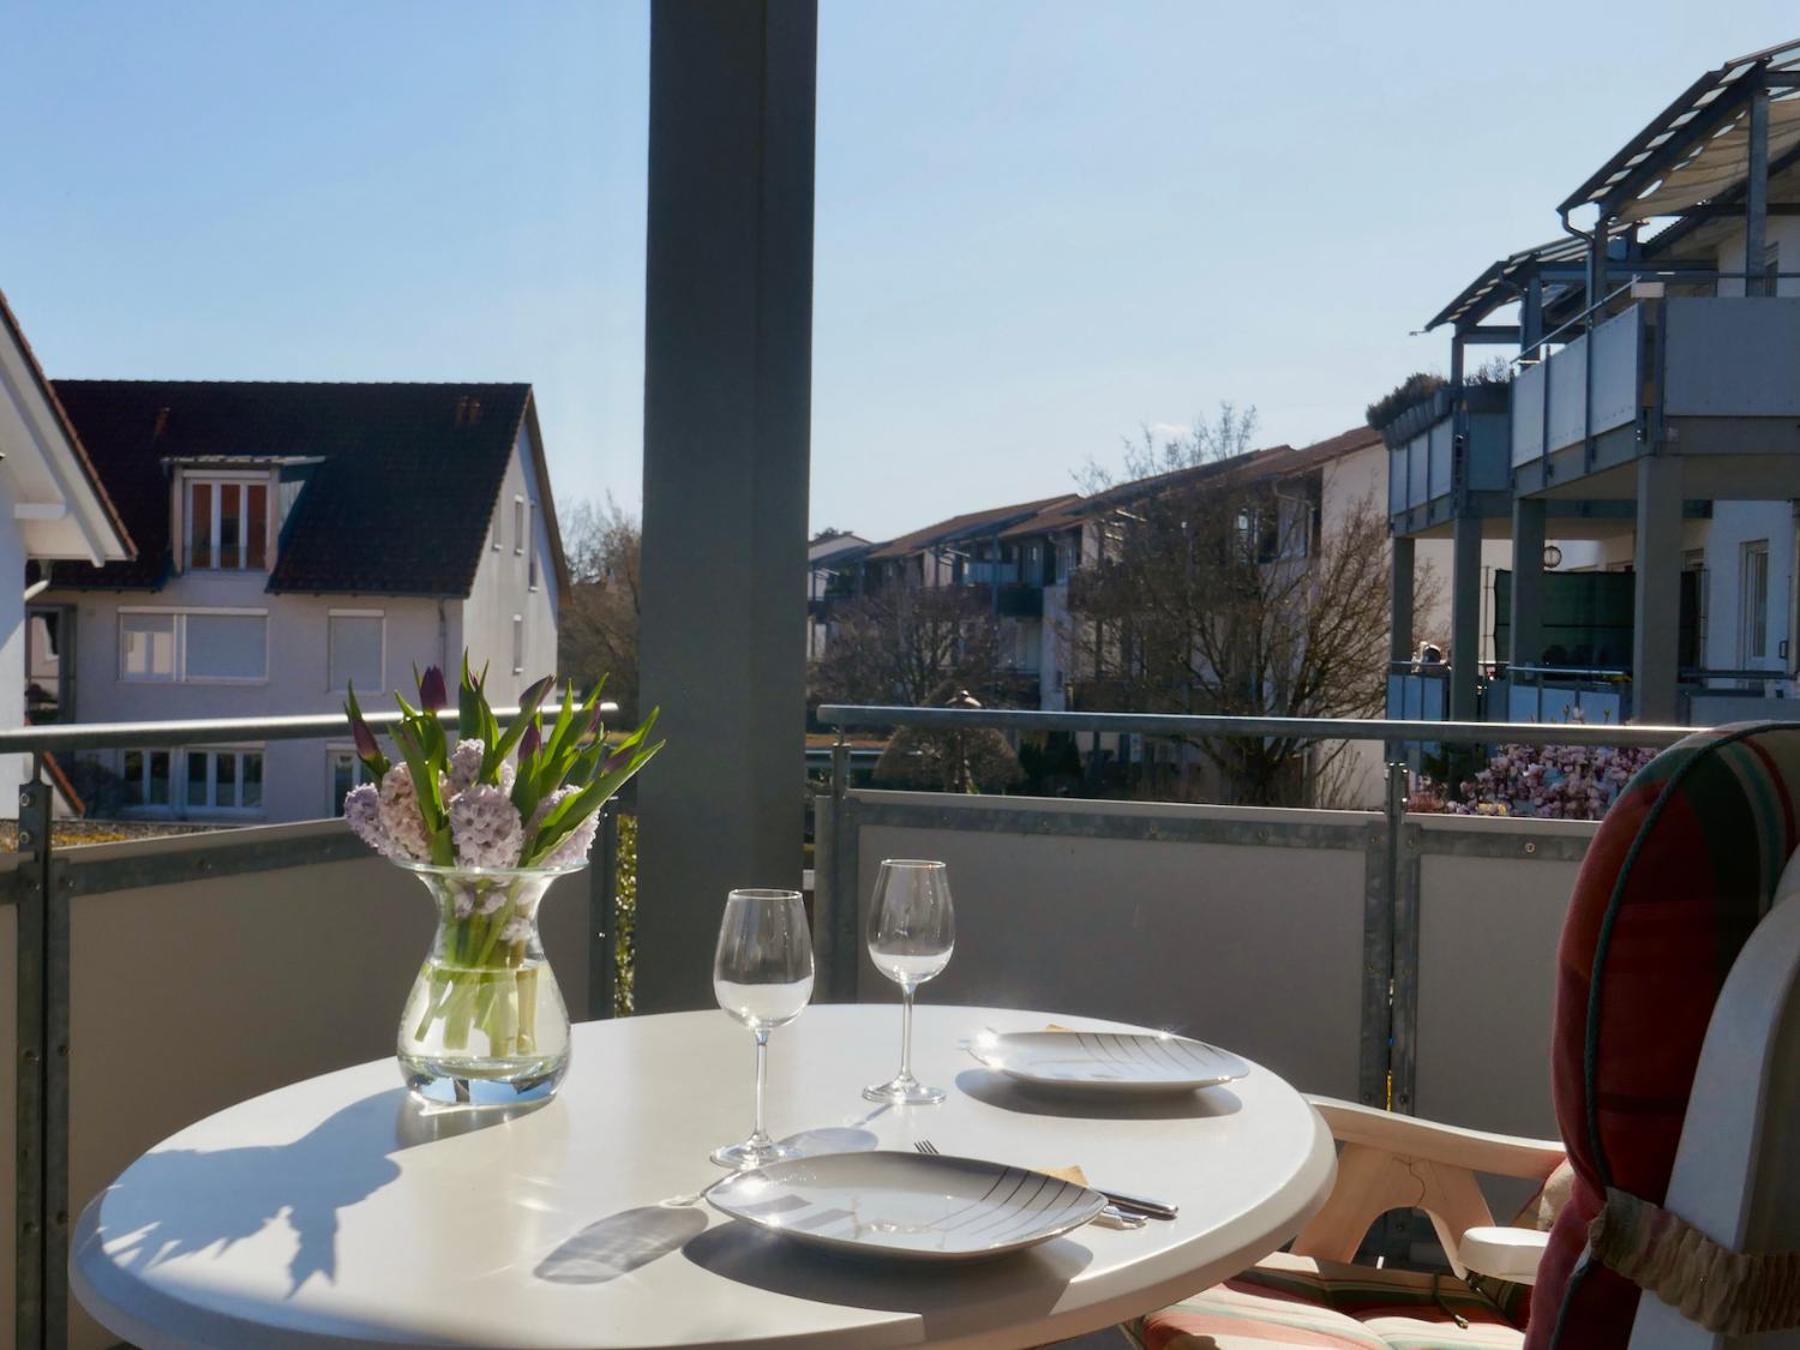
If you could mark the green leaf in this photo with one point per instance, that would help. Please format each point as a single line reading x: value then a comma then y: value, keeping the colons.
x: 431, y: 803
x: 566, y: 816
x: 528, y: 704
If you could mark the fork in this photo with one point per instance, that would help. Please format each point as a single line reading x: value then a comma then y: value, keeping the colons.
x: 1112, y: 1216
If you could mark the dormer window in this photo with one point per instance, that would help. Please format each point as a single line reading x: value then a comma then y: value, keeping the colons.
x: 226, y: 523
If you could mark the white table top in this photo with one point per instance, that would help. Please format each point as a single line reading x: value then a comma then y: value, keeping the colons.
x: 332, y: 1213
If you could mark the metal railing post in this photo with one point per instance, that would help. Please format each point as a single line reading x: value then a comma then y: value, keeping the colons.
x: 41, y: 1211
x: 603, y: 918
x: 1382, y: 873
x: 834, y: 881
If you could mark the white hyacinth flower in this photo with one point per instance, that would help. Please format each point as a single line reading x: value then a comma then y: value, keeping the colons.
x: 486, y: 829
x: 362, y: 812
x: 400, y: 818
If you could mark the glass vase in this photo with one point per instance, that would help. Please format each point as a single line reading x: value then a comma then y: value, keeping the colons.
x: 485, y: 1025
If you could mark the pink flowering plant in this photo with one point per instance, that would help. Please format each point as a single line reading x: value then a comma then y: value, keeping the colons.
x: 487, y: 820
x: 1558, y: 782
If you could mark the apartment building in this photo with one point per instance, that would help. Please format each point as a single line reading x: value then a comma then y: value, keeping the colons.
x: 293, y: 539
x: 1641, y: 461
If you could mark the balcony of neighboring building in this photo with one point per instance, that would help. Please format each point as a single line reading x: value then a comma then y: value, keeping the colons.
x: 1453, y: 439
x: 1709, y: 378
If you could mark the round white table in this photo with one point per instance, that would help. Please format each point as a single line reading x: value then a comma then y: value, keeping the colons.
x: 332, y: 1212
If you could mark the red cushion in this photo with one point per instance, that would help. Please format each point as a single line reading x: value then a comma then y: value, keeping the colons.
x: 1680, y: 871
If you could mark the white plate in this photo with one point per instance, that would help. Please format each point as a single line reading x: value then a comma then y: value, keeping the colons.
x: 1107, y: 1061
x: 907, y: 1205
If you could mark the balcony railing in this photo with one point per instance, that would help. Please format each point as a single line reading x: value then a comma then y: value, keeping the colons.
x: 152, y: 982
x: 1423, y: 472
x: 159, y: 980
x: 1659, y: 359
x: 1361, y: 952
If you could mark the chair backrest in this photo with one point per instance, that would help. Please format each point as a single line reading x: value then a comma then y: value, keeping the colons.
x: 1682, y: 870
x: 1737, y: 1171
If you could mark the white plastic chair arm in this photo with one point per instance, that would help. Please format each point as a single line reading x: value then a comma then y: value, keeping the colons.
x: 1504, y: 1253
x: 1504, y: 1155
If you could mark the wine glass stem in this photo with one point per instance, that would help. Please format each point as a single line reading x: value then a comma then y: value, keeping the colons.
x: 762, y: 1075
x: 906, y: 997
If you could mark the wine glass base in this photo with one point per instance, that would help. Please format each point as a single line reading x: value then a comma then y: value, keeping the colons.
x: 742, y: 1157
x: 904, y: 1092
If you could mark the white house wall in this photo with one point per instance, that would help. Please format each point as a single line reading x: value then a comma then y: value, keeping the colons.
x: 1735, y: 524
x: 296, y: 783
x: 501, y: 589
x: 1781, y: 231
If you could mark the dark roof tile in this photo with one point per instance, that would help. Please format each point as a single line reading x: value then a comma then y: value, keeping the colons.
x: 399, y: 505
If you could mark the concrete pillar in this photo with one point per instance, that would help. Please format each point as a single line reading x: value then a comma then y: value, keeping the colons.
x: 1527, y: 582
x: 1656, y: 616
x: 1465, y: 616
x: 1400, y: 594
x: 727, y: 389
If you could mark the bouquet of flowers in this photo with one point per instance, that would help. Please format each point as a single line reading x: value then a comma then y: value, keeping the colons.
x: 487, y: 821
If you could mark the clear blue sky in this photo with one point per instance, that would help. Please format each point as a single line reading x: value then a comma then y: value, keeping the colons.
x: 1040, y: 225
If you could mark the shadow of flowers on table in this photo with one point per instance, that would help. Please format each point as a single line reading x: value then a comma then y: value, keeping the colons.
x: 232, y: 1194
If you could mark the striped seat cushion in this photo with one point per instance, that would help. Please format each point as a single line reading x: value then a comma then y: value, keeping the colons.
x: 1294, y: 1301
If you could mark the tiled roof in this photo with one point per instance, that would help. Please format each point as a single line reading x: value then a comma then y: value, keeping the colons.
x: 972, y: 525
x: 398, y: 504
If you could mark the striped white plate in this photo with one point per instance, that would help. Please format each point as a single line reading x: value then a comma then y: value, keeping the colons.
x: 908, y: 1206
x: 1107, y: 1061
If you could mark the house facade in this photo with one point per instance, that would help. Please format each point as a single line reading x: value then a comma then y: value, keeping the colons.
x: 1639, y: 459
x: 1020, y: 560
x: 53, y: 508
x: 295, y: 540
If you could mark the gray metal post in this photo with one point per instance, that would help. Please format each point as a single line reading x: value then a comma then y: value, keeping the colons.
x: 603, y: 917
x: 1528, y: 582
x: 1531, y: 315
x: 1656, y: 633
x: 727, y: 387
x: 1756, y: 193
x: 1596, y: 275
x: 1465, y: 616
x: 41, y: 1182
x: 1400, y: 600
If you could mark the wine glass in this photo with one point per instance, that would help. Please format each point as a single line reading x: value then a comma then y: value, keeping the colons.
x: 910, y: 940
x: 762, y: 977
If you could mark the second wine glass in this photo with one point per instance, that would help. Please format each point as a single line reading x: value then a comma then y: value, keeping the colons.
x: 911, y: 935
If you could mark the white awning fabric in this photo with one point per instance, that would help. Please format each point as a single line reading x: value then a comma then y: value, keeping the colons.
x: 1718, y: 165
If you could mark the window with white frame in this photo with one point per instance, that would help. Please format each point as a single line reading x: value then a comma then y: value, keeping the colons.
x: 518, y: 644
x: 499, y: 526
x: 146, y: 775
x: 347, y: 771
x: 194, y: 646
x: 531, y: 556
x: 227, y: 523
x: 223, y: 780
x: 1753, y: 601
x: 518, y: 524
x: 355, y: 640
x: 146, y: 646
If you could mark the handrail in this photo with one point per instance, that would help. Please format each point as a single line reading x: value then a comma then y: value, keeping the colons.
x: 1299, y: 728
x: 1675, y: 276
x: 53, y: 737
x: 1599, y: 304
